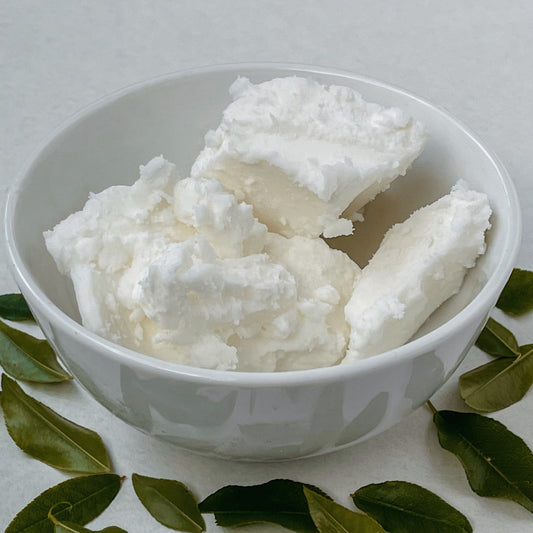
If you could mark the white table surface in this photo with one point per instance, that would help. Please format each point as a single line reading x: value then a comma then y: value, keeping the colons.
x: 474, y: 58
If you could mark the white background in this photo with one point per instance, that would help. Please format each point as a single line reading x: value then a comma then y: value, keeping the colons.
x: 474, y: 58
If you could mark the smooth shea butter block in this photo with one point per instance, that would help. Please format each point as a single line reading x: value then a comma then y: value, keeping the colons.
x: 420, y: 264
x: 303, y: 154
x: 227, y: 269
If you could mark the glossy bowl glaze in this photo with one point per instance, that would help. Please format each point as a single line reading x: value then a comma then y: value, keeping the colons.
x: 250, y: 416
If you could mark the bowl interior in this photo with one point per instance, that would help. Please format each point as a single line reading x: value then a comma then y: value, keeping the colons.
x: 107, y: 142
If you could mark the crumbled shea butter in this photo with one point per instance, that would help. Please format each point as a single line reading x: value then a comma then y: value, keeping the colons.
x: 304, y: 154
x: 226, y: 270
x: 179, y: 269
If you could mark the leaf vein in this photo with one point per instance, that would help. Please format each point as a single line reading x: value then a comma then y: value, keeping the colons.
x: 407, y: 511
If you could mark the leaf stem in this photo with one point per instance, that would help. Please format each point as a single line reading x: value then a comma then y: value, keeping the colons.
x: 431, y: 407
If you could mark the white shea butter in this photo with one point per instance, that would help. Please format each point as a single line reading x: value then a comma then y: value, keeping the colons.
x: 313, y: 332
x: 226, y: 269
x: 304, y: 154
x: 179, y: 269
x: 420, y: 264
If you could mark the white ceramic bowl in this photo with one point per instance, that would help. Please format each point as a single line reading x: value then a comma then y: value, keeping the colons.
x: 253, y: 416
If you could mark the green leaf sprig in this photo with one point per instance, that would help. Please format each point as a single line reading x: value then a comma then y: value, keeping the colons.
x: 504, y: 381
x: 67, y: 507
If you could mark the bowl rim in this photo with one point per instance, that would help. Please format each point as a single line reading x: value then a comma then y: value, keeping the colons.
x: 485, y: 299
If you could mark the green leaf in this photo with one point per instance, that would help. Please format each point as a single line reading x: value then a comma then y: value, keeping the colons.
x: 27, y: 358
x: 47, y: 436
x: 402, y: 507
x: 497, y: 340
x: 169, y: 502
x: 280, y: 501
x: 500, y: 383
x: 330, y: 517
x: 14, y: 307
x: 496, y: 461
x: 86, y: 498
x: 517, y: 295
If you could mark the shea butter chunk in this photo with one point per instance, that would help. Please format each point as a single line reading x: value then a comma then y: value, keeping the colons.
x: 420, y: 264
x: 303, y: 154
